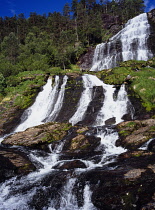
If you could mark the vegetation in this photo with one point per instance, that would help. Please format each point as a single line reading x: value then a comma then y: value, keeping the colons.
x: 22, y: 88
x: 141, y: 78
x: 45, y: 41
x: 30, y: 48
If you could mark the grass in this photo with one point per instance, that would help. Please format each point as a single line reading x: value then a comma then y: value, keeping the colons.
x: 142, y: 79
x: 22, y: 88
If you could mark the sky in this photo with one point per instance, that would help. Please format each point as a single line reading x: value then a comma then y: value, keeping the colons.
x: 14, y: 7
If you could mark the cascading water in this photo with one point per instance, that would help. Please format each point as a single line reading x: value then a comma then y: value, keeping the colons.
x: 33, y: 113
x: 58, y: 104
x: 46, y: 107
x: 88, y: 81
x: 128, y: 44
x: 22, y: 193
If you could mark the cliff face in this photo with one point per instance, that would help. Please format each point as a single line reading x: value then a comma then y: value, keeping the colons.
x: 151, y: 40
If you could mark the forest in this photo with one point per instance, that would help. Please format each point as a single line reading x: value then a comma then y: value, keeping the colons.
x: 42, y: 42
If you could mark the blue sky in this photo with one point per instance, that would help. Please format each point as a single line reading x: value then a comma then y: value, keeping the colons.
x: 14, y: 7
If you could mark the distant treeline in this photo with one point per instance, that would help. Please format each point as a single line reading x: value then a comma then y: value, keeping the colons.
x: 43, y: 41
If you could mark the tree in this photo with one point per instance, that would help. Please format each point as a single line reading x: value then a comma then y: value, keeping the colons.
x: 66, y: 10
x: 2, y: 84
x: 10, y: 47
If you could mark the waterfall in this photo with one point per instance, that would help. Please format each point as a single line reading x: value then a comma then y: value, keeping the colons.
x: 22, y: 192
x: 17, y: 193
x: 38, y: 111
x: 112, y: 108
x: 110, y: 105
x: 68, y: 199
x: 59, y: 102
x: 128, y: 44
x: 46, y: 106
x: 85, y: 99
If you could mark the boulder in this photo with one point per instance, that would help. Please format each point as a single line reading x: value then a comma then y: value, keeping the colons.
x: 70, y: 165
x: 133, y: 134
x: 110, y: 121
x: 39, y: 136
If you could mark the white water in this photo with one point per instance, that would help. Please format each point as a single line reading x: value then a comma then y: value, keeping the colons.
x: 145, y: 145
x: 116, y: 108
x: 11, y: 196
x: 17, y: 193
x: 86, y: 97
x: 46, y: 106
x: 112, y: 108
x: 133, y: 41
x: 68, y: 199
x: 59, y: 102
x: 38, y: 111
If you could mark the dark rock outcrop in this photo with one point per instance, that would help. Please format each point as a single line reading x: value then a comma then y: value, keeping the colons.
x: 86, y: 60
x: 70, y: 165
x: 10, y: 118
x: 151, y: 39
x: 12, y: 163
x: 72, y: 96
x: 112, y: 23
x: 94, y: 106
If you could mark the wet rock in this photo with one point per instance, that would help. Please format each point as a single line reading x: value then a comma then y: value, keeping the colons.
x: 151, y: 146
x: 110, y: 121
x: 39, y: 136
x: 151, y: 39
x: 134, y: 134
x: 85, y: 61
x: 10, y: 118
x: 70, y: 165
x: 13, y: 163
x: 94, y: 106
x: 73, y: 90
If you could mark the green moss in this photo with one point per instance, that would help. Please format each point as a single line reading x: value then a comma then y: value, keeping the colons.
x: 131, y: 124
x: 25, y: 167
x: 152, y: 128
x: 124, y: 133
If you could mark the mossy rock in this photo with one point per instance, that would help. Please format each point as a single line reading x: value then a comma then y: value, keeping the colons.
x: 39, y: 135
x: 134, y: 134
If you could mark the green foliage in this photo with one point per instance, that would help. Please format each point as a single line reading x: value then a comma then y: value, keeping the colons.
x: 24, y: 87
x: 2, y: 84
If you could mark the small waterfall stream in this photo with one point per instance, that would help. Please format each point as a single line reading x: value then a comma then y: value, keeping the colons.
x: 46, y: 106
x: 128, y: 44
